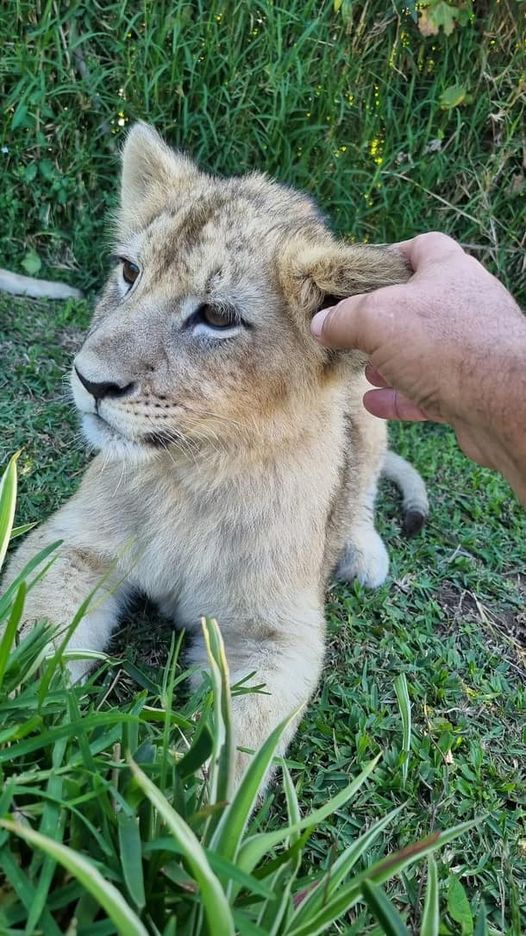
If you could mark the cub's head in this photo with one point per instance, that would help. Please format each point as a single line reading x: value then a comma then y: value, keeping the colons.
x: 202, y: 333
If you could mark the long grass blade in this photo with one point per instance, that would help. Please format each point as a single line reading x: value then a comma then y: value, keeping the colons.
x: 481, y: 923
x: 341, y: 868
x: 215, y: 904
x: 255, y: 847
x: 223, y: 745
x: 25, y: 891
x: 228, y: 834
x: 349, y: 895
x: 7, y: 504
x: 22, y: 529
x: 107, y: 895
x: 404, y: 704
x: 9, y: 634
x: 383, y: 910
x: 276, y: 909
x: 37, y: 560
x: 430, y: 916
x: 131, y: 857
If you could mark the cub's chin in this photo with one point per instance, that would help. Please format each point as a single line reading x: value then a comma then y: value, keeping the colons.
x: 114, y: 446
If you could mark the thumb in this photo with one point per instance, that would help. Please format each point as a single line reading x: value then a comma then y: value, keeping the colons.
x: 350, y: 324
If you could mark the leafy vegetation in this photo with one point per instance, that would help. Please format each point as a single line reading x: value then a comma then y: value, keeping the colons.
x: 358, y: 110
x: 394, y: 132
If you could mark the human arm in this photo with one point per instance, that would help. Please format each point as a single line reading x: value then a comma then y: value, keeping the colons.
x: 448, y: 345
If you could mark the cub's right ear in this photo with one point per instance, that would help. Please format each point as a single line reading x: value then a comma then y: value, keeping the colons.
x: 151, y: 170
x: 314, y: 276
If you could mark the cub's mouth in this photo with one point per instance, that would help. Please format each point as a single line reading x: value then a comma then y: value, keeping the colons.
x: 154, y: 439
x: 101, y: 425
x: 115, y: 444
x: 157, y: 439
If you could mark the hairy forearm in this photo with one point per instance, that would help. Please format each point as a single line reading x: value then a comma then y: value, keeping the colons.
x: 507, y: 420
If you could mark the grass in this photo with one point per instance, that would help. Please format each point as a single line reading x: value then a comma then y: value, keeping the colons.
x: 350, y: 110
x: 353, y: 110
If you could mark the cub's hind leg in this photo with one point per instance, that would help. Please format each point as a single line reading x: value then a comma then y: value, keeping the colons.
x: 364, y: 556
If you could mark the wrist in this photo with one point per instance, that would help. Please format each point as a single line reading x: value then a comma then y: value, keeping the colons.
x: 492, y: 415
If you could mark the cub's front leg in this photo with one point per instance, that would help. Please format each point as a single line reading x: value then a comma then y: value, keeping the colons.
x: 284, y: 652
x: 78, y: 570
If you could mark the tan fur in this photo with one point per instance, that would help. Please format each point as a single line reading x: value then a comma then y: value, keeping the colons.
x: 237, y: 472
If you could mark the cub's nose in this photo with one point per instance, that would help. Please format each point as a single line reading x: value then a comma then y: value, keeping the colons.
x: 103, y: 389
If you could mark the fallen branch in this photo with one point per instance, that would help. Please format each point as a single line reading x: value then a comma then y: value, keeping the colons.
x: 36, y: 288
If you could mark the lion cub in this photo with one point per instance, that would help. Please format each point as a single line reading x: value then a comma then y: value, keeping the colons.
x: 237, y: 466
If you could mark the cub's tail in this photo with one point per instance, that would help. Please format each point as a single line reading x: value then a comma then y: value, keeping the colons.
x: 415, y: 504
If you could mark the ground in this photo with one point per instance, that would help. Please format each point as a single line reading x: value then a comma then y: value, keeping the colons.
x: 452, y: 617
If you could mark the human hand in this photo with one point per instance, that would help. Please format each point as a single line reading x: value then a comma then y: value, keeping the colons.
x: 448, y: 345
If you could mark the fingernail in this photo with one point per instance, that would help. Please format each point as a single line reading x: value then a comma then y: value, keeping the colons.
x: 317, y: 323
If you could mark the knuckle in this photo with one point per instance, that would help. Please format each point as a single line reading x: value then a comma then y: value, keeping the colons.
x: 433, y: 246
x: 433, y: 239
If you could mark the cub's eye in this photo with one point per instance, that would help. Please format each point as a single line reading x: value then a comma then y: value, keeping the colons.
x: 130, y: 271
x: 215, y: 317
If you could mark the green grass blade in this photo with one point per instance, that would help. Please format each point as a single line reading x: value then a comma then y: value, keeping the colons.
x: 97, y: 719
x: 340, y: 869
x: 106, y: 894
x: 245, y: 926
x: 52, y: 824
x: 167, y: 702
x: 7, y: 504
x: 131, y: 858
x: 9, y: 634
x: 458, y: 905
x: 431, y: 917
x: 198, y: 754
x: 404, y: 704
x: 229, y: 871
x: 213, y: 897
x: 38, y: 559
x: 25, y: 891
x: 229, y: 832
x: 383, y: 910
x: 293, y: 806
x: 23, y: 528
x: 220, y: 866
x: 349, y: 895
x: 223, y: 748
x: 255, y: 847
x: 481, y: 923
x: 275, y: 910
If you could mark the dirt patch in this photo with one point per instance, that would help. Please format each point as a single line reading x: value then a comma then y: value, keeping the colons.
x: 509, y: 622
x: 457, y: 602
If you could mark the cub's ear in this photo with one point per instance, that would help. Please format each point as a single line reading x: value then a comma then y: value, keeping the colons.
x: 314, y: 277
x: 150, y: 171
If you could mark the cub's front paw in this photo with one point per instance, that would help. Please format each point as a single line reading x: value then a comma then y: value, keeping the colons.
x: 365, y: 558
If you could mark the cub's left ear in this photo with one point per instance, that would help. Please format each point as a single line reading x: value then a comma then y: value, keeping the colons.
x: 314, y: 277
x: 151, y: 172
